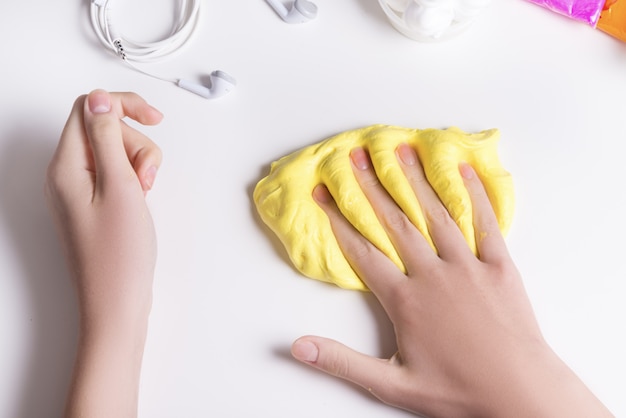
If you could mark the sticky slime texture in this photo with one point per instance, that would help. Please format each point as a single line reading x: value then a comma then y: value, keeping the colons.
x: 284, y: 198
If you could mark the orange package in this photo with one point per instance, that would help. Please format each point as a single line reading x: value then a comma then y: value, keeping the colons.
x: 613, y: 19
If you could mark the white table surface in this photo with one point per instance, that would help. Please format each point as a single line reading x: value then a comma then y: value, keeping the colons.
x: 227, y: 303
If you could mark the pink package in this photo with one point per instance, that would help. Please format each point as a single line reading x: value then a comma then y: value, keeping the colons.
x: 587, y: 11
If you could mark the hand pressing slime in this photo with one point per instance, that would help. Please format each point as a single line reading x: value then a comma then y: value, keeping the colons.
x: 285, y: 203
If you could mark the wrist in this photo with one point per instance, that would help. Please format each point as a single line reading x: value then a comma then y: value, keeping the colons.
x: 127, y: 317
x: 108, y: 365
x: 114, y: 300
x: 543, y: 386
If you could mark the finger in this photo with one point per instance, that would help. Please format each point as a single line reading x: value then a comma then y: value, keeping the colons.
x: 444, y: 232
x: 132, y: 105
x: 336, y: 359
x: 73, y: 148
x: 144, y: 155
x: 411, y: 245
x: 376, y: 270
x: 104, y: 131
x: 489, y: 240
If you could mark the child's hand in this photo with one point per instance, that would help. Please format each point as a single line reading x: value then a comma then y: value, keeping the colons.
x: 468, y: 342
x: 95, y: 188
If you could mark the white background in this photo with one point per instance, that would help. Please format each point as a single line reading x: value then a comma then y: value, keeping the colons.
x: 227, y: 303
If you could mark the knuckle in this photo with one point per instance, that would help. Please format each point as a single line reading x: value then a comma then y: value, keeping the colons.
x: 504, y: 271
x: 337, y: 364
x: 370, y: 182
x: 131, y: 94
x: 102, y: 128
x: 157, y: 151
x: 488, y: 224
x: 397, y: 221
x: 150, y: 151
x: 438, y: 214
x: 126, y: 95
x: 53, y: 178
x: 417, y: 179
x: 55, y: 185
x: 359, y: 250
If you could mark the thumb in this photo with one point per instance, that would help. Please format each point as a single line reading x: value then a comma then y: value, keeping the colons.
x: 104, y: 131
x: 341, y: 361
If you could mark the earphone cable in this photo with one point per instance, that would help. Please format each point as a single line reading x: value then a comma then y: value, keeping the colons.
x: 132, y: 51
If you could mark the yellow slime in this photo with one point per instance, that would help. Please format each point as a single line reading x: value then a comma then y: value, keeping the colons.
x: 284, y: 202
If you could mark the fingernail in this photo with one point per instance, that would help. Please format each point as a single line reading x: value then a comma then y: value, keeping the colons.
x: 305, y: 351
x: 466, y: 170
x: 99, y: 102
x: 407, y: 154
x: 150, y: 176
x: 360, y: 159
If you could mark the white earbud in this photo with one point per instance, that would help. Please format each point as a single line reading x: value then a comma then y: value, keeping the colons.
x: 142, y: 52
x: 301, y: 10
x: 221, y: 83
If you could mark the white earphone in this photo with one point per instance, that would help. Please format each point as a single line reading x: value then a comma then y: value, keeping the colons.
x: 221, y: 83
x: 301, y: 11
x: 141, y: 52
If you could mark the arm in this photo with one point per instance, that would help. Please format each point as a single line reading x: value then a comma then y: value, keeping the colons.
x: 95, y: 188
x: 468, y: 342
